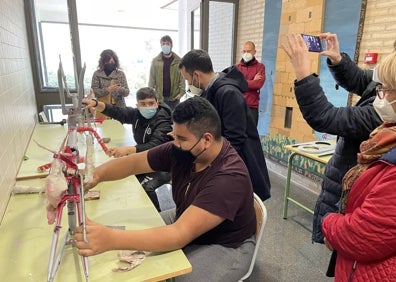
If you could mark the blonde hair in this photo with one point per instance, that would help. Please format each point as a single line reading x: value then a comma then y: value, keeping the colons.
x: 387, y: 71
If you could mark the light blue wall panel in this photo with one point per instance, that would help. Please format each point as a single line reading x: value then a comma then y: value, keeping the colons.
x: 272, y: 15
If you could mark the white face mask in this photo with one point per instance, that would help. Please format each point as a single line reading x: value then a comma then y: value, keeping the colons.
x: 384, y: 109
x: 186, y: 96
x: 247, y: 57
x: 195, y: 90
x: 375, y: 75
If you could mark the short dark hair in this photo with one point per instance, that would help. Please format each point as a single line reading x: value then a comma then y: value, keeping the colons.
x: 146, y: 92
x: 199, y: 116
x: 196, y: 59
x: 105, y: 57
x: 166, y: 38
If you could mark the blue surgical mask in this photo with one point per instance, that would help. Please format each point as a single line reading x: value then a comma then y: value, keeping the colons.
x: 147, y: 112
x: 166, y: 49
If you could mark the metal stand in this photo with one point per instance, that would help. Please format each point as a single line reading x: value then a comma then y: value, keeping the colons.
x: 74, y: 196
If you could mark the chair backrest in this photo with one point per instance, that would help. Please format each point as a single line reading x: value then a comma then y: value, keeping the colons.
x: 261, y: 219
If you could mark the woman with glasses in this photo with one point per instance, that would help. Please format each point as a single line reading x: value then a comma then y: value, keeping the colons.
x: 364, y: 231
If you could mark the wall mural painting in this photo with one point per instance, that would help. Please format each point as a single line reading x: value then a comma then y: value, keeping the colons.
x: 273, y: 147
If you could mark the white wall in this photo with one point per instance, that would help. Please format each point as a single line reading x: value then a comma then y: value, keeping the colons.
x: 17, y: 100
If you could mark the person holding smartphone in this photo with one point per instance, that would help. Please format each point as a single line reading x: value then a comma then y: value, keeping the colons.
x: 352, y: 124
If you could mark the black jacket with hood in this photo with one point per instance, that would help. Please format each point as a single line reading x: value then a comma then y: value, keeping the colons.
x: 238, y: 127
x: 147, y: 133
x: 351, y: 124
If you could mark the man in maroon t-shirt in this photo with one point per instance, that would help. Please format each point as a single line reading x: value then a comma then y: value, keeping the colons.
x: 214, y: 220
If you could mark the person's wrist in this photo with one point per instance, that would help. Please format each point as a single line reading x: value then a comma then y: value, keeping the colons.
x: 302, y: 74
x: 96, y: 102
x: 336, y: 60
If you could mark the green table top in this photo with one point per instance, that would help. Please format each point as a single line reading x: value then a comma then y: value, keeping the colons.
x: 51, y: 137
x: 26, y: 237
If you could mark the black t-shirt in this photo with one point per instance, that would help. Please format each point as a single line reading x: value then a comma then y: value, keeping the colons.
x: 223, y: 188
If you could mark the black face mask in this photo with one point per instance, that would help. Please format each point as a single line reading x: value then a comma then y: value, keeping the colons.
x: 185, y: 156
x: 108, y: 68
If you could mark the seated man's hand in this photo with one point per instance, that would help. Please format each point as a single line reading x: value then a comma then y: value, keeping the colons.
x: 98, y: 239
x: 92, y: 183
x: 121, y: 151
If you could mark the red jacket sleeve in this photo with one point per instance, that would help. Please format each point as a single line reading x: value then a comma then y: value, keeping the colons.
x: 367, y: 232
x: 257, y: 84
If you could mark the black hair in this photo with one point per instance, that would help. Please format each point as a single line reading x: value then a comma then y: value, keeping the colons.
x: 166, y: 38
x: 196, y: 59
x: 105, y: 57
x: 146, y: 92
x: 199, y: 116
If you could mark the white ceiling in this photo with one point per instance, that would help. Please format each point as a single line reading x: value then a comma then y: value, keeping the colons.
x: 161, y: 14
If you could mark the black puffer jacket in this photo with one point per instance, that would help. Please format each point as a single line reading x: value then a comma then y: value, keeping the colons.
x: 147, y: 133
x: 351, y: 124
x: 238, y: 127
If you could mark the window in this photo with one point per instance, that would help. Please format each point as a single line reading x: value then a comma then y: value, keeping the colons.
x: 131, y: 29
x: 288, y: 117
x: 219, y: 31
x: 51, y: 34
x: 196, y: 27
x: 55, y: 44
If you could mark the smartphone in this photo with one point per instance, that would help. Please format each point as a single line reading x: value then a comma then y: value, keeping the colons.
x: 314, y: 43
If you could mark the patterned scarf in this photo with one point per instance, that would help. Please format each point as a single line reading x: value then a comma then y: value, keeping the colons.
x: 381, y: 140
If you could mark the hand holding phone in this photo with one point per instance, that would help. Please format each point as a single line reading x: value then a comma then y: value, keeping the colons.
x: 314, y: 43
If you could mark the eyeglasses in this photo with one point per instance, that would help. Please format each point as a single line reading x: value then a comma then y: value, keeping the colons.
x: 381, y: 91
